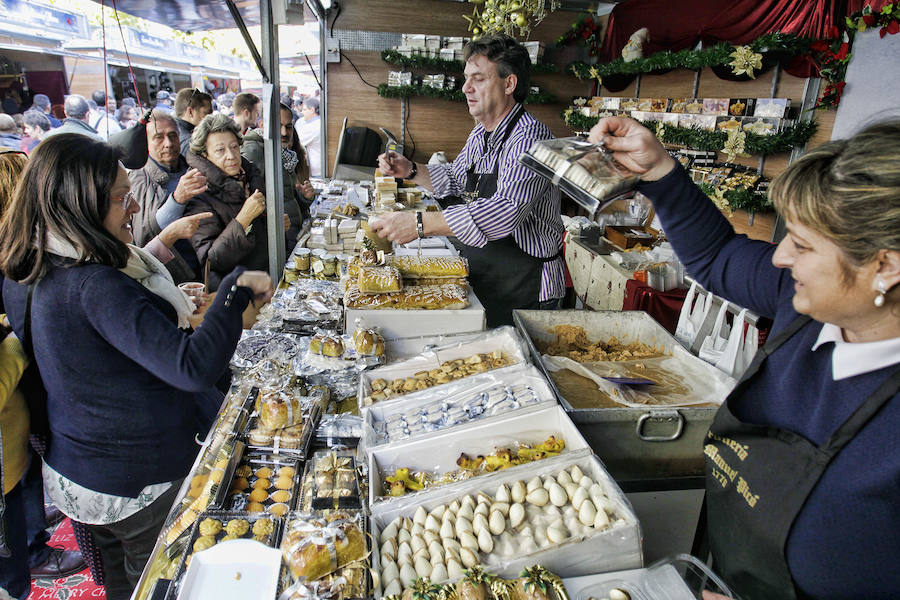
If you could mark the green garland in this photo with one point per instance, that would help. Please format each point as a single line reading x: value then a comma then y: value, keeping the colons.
x: 449, y: 66
x: 741, y: 198
x: 405, y: 91
x: 720, y: 54
x: 699, y: 139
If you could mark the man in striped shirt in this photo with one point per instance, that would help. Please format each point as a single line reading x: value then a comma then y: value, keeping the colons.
x: 505, y: 218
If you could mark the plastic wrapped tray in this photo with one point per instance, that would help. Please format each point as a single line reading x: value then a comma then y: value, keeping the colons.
x: 491, y: 395
x: 335, y: 480
x: 584, y: 171
x: 282, y: 474
x: 438, y: 454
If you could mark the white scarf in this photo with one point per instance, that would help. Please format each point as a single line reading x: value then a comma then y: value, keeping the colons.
x: 144, y: 268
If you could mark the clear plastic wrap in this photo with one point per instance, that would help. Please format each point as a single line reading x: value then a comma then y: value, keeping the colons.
x: 265, y: 483
x: 442, y: 365
x: 256, y: 346
x: 305, y: 305
x: 538, y: 525
x: 584, y: 171
x: 481, y: 449
x: 335, y: 482
x: 316, y: 544
x: 339, y: 430
x: 295, y: 438
x: 455, y: 404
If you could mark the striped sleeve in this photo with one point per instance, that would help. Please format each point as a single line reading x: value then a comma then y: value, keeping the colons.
x: 488, y: 219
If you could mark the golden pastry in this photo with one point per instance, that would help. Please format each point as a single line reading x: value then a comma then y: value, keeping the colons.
x: 315, y: 344
x: 263, y: 527
x: 204, y: 542
x: 240, y: 484
x: 261, y: 538
x: 368, y: 342
x: 377, y: 280
x: 237, y: 527
x: 332, y: 346
x: 261, y: 484
x: 255, y: 507
x: 279, y: 510
x: 264, y: 472
x: 286, y: 472
x: 281, y: 496
x: 210, y: 526
x: 259, y: 495
x: 231, y: 537
x: 284, y: 483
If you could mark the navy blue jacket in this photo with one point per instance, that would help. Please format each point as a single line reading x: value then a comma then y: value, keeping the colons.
x: 845, y: 541
x: 127, y: 390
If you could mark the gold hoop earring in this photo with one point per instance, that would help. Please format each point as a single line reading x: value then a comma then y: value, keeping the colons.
x: 882, y: 290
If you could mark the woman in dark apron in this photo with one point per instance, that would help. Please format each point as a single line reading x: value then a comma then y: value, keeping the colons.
x: 803, y: 459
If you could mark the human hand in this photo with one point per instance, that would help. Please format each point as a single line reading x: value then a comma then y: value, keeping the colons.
x: 634, y: 146
x: 306, y: 189
x: 397, y: 227
x: 182, y: 229
x: 287, y: 221
x: 394, y: 165
x: 191, y: 183
x: 253, y: 206
x: 259, y: 283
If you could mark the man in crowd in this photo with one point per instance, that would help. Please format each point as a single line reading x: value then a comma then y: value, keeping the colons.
x: 309, y: 131
x: 191, y: 106
x: 102, y: 118
x: 41, y: 102
x: 166, y: 181
x: 246, y: 111
x: 36, y: 127
x: 506, y: 218
x: 77, y: 117
x: 225, y: 100
x: 164, y: 101
x: 9, y: 133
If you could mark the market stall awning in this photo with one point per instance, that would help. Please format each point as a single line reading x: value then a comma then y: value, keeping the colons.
x: 203, y: 15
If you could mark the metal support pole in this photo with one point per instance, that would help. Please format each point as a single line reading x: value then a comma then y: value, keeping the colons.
x: 323, y: 99
x: 272, y: 143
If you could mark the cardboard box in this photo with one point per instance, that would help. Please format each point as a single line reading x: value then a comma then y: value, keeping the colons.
x: 626, y: 237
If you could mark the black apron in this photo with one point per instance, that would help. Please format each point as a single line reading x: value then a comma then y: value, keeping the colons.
x: 757, y: 480
x: 503, y: 276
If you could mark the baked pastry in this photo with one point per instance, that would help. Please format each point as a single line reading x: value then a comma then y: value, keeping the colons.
x: 286, y: 472
x: 237, y: 527
x: 279, y: 510
x: 255, y: 507
x: 243, y: 471
x: 281, y: 496
x: 263, y: 472
x: 417, y: 297
x: 259, y: 495
x: 239, y: 484
x: 204, y: 542
x: 332, y: 346
x: 261, y: 484
x: 280, y: 410
x: 209, y: 527
x: 231, y: 537
x: 315, y: 344
x: 284, y: 482
x: 376, y: 280
x: 315, y: 546
x: 368, y: 342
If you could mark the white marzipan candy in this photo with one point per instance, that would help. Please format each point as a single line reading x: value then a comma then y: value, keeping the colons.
x: 518, y: 491
x: 419, y: 517
x: 502, y: 494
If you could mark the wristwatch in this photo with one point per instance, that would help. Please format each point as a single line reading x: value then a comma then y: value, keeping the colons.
x: 414, y: 172
x: 420, y: 225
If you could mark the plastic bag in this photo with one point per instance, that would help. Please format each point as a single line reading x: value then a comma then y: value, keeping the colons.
x: 693, y: 314
x: 715, y: 343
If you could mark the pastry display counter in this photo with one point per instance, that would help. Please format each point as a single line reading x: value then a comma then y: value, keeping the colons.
x: 378, y: 461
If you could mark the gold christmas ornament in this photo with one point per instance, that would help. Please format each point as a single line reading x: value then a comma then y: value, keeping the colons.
x: 498, y: 16
x: 745, y: 61
x: 734, y: 144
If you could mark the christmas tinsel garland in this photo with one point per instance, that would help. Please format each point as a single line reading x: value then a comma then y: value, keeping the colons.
x: 717, y: 55
x: 405, y: 91
x: 699, y: 139
x: 740, y: 198
x: 450, y: 66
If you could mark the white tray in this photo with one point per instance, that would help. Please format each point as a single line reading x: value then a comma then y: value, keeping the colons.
x: 233, y: 570
x: 616, y: 548
x: 438, y: 453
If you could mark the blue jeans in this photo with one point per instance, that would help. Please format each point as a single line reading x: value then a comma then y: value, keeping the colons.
x: 14, y: 576
x: 32, y: 485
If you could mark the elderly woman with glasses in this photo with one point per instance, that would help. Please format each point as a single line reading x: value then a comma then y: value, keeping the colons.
x: 803, y: 459
x: 128, y: 387
x: 236, y: 234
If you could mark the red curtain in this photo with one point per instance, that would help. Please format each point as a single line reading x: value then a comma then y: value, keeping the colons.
x: 677, y: 25
x: 52, y: 83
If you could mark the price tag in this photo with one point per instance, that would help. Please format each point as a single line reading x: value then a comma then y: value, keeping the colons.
x: 318, y: 268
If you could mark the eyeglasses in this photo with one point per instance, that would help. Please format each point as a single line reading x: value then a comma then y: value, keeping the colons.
x: 125, y: 200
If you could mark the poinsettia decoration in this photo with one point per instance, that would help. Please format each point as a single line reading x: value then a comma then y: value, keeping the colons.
x: 586, y: 30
